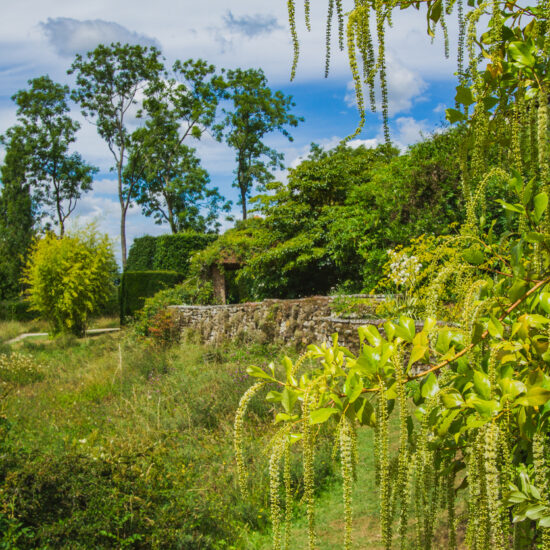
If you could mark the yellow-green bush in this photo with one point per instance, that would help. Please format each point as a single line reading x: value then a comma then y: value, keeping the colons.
x: 70, y: 278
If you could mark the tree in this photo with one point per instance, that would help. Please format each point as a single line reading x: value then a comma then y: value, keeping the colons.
x: 256, y: 112
x: 297, y: 250
x: 110, y: 80
x: 70, y: 278
x: 57, y: 177
x: 176, y: 191
x: 169, y: 182
x: 17, y: 212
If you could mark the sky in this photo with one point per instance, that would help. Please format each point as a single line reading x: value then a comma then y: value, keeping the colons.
x: 39, y: 37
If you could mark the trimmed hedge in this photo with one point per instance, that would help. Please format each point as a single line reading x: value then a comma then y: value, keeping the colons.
x: 166, y: 252
x: 142, y: 254
x: 135, y: 286
x: 16, y: 310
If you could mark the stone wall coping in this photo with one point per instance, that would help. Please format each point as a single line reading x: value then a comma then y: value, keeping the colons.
x: 289, y: 301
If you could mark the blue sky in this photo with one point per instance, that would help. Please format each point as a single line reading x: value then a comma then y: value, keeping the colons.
x: 41, y: 37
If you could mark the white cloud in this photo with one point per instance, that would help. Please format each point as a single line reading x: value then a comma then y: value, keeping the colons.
x: 69, y: 36
x: 409, y: 131
x: 405, y: 87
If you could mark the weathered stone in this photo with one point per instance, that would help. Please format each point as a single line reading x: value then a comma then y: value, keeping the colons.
x: 295, y: 322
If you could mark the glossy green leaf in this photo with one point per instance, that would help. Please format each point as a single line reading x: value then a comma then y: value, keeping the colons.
x: 482, y: 385
x: 454, y: 115
x: 257, y: 372
x: 512, y: 388
x: 353, y: 386
x: 540, y: 202
x: 429, y: 385
x: 545, y: 522
x: 535, y: 397
x: 495, y: 328
x: 417, y: 353
x: 464, y: 96
x: 544, y: 301
x: 365, y: 412
x: 518, y: 208
x: 287, y: 364
x: 485, y: 408
x: 371, y: 334
x: 274, y: 397
x: 406, y: 329
x: 318, y: 416
x: 288, y: 399
x: 452, y: 399
x: 521, y: 53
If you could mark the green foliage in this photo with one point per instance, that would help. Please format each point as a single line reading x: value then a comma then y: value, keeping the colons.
x: 331, y: 225
x: 256, y: 112
x: 481, y: 384
x: 166, y: 252
x: 57, y: 178
x: 170, y: 183
x: 70, y: 278
x: 16, y: 310
x: 136, y: 286
x: 17, y: 212
x: 141, y: 256
x: 123, y: 445
x: 175, y: 251
x: 193, y: 291
x: 108, y: 80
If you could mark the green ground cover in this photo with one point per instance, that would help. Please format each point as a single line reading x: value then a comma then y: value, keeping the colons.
x: 111, y: 442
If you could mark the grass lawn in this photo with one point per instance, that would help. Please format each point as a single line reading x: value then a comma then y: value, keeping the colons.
x: 11, y: 329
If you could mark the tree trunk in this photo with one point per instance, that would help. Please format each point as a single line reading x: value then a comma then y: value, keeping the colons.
x: 61, y: 221
x: 170, y: 210
x: 243, y: 201
x: 123, y: 209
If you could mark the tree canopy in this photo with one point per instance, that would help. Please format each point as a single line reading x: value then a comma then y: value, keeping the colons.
x: 109, y: 83
x: 477, y: 366
x: 255, y: 112
x: 57, y: 177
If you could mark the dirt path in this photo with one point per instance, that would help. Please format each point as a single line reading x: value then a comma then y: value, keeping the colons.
x: 30, y: 334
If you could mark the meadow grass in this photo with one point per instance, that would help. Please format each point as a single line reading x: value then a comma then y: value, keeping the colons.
x: 11, y: 329
x: 115, y: 442
x: 118, y: 443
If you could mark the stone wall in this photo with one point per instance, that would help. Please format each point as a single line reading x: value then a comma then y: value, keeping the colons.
x: 298, y: 322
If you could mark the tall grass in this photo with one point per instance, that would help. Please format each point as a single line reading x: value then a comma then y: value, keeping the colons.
x: 121, y: 444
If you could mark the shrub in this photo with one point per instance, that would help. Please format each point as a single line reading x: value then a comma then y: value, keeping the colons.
x: 142, y: 254
x: 166, y: 252
x: 16, y: 310
x: 70, y: 278
x: 164, y: 328
x: 136, y: 286
x: 192, y: 291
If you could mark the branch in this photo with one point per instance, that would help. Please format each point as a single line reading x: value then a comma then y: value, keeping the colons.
x: 507, y: 312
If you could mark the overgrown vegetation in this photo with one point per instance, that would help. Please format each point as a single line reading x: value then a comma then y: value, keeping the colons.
x: 118, y: 442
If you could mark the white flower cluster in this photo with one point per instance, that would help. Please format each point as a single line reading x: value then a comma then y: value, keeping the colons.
x: 19, y: 368
x: 403, y: 268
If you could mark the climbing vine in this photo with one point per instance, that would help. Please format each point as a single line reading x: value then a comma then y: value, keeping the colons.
x: 471, y: 383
